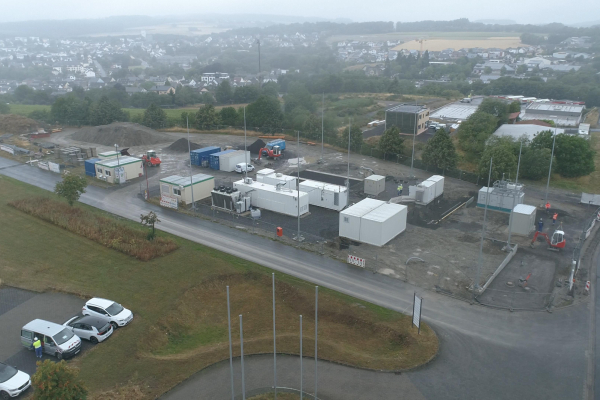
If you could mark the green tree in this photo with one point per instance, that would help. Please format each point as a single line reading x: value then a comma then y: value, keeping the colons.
x: 474, y: 132
x: 71, y: 187
x: 149, y: 219
x: 270, y: 89
x: 229, y: 116
x: 391, y: 142
x: 522, y: 69
x: 106, y: 112
x: 504, y: 158
x: 246, y: 94
x: 495, y: 107
x: 154, y: 117
x: 298, y: 96
x: 187, y: 118
x: 207, y: 117
x: 38, y: 115
x: 513, y: 107
x: 574, y: 156
x: 543, y: 140
x: 4, y: 108
x: 224, y: 93
x: 265, y: 113
x: 356, y: 138
x: 487, y: 70
x: 440, y: 152
x: 311, y: 128
x: 53, y: 381
x: 534, y: 163
x: 503, y: 70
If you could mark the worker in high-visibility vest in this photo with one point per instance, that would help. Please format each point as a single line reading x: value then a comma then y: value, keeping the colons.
x: 400, y: 189
x: 548, y: 207
x: 554, y: 218
x: 37, y: 345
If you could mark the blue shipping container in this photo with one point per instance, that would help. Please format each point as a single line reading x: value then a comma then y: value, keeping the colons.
x: 90, y: 166
x: 214, y: 158
x: 200, y: 155
x: 276, y: 142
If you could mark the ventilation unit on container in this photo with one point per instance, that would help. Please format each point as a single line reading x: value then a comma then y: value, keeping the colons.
x: 503, y: 196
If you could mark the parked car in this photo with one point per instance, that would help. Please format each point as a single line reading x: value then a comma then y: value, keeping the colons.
x: 108, y: 310
x: 243, y: 167
x: 94, y: 329
x: 12, y: 381
x: 56, y: 340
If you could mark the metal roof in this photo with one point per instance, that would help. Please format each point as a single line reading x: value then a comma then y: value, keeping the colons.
x: 517, y: 131
x: 115, y: 162
x: 384, y: 212
x: 363, y: 207
x: 185, y: 180
x: 322, y: 186
x: 524, y: 209
x: 407, y: 108
x: 455, y: 111
x: 374, y: 178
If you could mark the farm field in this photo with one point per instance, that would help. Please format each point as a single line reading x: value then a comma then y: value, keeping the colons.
x: 410, y: 36
x: 180, y: 306
x: 438, y: 44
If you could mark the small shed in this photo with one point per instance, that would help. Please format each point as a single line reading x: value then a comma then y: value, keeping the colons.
x: 374, y: 185
x: 90, y: 166
x: 523, y: 219
x: 179, y: 186
x: 383, y: 224
x: 119, y: 170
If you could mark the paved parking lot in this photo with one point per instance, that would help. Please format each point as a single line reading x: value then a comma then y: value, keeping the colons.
x: 18, y: 307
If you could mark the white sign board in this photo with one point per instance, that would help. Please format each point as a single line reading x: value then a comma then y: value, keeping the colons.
x: 418, y: 301
x: 44, y: 166
x: 588, y: 198
x: 168, y: 201
x: 54, y: 167
x: 7, y: 149
x: 359, y: 262
x: 120, y: 176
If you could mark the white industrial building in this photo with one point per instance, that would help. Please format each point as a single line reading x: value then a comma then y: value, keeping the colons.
x: 273, y: 198
x: 269, y: 176
x: 523, y: 219
x: 374, y: 185
x: 428, y: 190
x: 119, y: 170
x: 373, y: 221
x: 503, y: 196
x: 228, y: 161
x: 183, y: 187
x: 325, y: 195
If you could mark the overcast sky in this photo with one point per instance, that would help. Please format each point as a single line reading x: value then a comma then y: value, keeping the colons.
x: 522, y: 11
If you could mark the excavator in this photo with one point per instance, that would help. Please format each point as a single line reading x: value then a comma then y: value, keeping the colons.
x: 556, y: 243
x: 270, y: 153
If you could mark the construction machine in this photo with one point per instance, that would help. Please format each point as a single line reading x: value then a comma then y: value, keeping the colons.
x: 151, y: 159
x: 556, y: 243
x: 274, y: 153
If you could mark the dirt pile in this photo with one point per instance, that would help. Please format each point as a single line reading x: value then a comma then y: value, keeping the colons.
x: 256, y: 146
x: 181, y: 146
x: 17, y: 124
x: 124, y: 134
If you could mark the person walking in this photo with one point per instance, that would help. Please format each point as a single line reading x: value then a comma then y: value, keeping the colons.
x: 540, y: 225
x: 554, y: 218
x: 547, y: 207
x: 400, y: 189
x: 37, y: 345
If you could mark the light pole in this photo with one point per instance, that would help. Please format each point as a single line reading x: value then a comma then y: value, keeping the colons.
x: 508, y: 248
x: 322, y: 126
x: 298, y: 237
x: 191, y: 172
x: 550, y: 169
x: 487, y: 201
x: 245, y: 144
x: 117, y: 151
x: 412, y: 159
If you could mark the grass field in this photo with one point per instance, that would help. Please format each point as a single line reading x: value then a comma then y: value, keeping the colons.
x: 180, y: 306
x: 408, y: 36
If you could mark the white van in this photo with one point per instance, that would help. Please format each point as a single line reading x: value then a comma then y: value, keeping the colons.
x: 244, y: 167
x: 57, y: 340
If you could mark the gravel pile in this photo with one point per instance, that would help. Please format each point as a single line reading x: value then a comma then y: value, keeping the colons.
x: 125, y: 134
x: 17, y: 124
x: 181, y: 146
x: 255, y: 147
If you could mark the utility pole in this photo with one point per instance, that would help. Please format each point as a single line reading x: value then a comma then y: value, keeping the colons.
x: 259, y: 76
x: 230, y: 349
x: 242, y: 358
x: 322, y: 125
x: 298, y: 237
x: 187, y: 122
x: 316, y: 336
x: 412, y: 159
x: 487, y: 201
x: 274, y: 342
x: 349, y: 135
x: 245, y: 144
x: 508, y: 248
x: 550, y: 169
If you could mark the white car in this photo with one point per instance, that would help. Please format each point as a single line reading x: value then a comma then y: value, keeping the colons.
x: 12, y: 381
x: 94, y: 329
x: 108, y: 310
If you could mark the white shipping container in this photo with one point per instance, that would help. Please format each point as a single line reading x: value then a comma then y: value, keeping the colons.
x: 383, y: 224
x: 350, y: 218
x: 274, y: 178
x: 325, y: 195
x: 424, y: 193
x: 268, y: 197
x: 228, y: 161
x: 439, y: 184
x: 523, y: 219
x: 483, y: 194
x: 374, y: 185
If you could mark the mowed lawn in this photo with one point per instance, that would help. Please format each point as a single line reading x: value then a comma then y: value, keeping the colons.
x: 179, y: 301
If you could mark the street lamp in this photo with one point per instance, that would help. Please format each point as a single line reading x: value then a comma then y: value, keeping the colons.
x: 117, y: 150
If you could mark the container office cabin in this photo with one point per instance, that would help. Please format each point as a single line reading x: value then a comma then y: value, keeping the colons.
x: 119, y: 170
x: 182, y: 187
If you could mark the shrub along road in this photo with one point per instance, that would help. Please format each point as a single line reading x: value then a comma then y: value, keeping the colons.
x: 484, y: 353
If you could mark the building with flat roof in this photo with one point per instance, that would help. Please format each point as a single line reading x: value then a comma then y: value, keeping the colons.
x: 529, y: 131
x: 565, y: 115
x: 407, y: 118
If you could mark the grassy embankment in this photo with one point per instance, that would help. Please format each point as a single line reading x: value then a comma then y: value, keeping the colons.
x: 180, y: 306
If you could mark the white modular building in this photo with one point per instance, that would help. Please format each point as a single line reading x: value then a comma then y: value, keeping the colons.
x: 428, y: 190
x: 182, y: 187
x: 109, y: 154
x: 271, y: 177
x: 523, y: 219
x: 325, y: 195
x: 228, y: 161
x: 439, y: 184
x: 373, y: 221
x: 119, y: 170
x: 374, y: 185
x: 503, y: 196
x: 273, y: 198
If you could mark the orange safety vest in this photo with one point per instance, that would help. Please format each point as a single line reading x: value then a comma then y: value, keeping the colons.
x: 555, y: 216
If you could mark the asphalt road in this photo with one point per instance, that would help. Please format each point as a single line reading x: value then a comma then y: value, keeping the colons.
x: 485, y: 353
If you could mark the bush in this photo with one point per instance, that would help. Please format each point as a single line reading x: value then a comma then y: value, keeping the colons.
x: 106, y: 231
x: 53, y: 381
